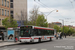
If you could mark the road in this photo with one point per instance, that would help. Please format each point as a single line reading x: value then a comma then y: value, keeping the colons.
x: 60, y: 44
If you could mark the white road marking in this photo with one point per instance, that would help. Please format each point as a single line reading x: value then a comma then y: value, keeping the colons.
x: 14, y: 49
x: 34, y: 49
x: 6, y: 49
x: 43, y: 49
x: 24, y: 49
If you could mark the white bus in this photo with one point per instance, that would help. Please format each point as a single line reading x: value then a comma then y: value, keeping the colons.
x: 36, y: 34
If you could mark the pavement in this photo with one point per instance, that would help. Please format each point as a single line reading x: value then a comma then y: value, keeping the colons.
x: 6, y: 43
x: 60, y: 44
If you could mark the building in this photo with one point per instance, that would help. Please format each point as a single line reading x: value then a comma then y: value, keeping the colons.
x: 51, y: 25
x: 18, y: 10
x: 4, y: 10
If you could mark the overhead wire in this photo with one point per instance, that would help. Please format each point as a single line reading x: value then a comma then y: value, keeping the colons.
x: 47, y: 8
x: 72, y: 4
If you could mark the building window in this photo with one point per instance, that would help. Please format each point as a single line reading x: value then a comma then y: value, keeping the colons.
x: 2, y: 12
x: 11, y: 5
x: 0, y: 21
x: 11, y: 11
x: 2, y: 2
x: 11, y: 0
x: 5, y: 12
x: 11, y: 16
x: 8, y: 13
x: 7, y: 3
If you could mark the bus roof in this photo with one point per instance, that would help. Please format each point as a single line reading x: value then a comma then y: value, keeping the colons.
x: 38, y: 27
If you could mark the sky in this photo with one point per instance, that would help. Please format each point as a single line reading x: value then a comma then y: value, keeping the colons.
x: 66, y: 10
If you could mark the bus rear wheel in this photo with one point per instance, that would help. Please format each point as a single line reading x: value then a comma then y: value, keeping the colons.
x: 50, y: 39
x: 39, y: 40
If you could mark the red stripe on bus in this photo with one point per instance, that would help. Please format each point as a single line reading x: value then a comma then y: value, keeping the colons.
x: 25, y: 38
x: 42, y: 28
x: 49, y: 37
x: 52, y: 37
x: 36, y: 38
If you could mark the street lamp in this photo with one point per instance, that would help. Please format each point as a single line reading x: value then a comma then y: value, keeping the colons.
x: 62, y: 25
x: 51, y: 12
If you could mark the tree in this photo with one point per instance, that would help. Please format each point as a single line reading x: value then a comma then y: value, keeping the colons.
x: 41, y: 21
x: 68, y: 30
x: 9, y: 22
x: 71, y: 31
x: 22, y: 17
x: 5, y: 23
x: 13, y: 23
x: 33, y: 15
x: 57, y: 28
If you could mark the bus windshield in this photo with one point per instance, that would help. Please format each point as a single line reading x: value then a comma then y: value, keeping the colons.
x: 25, y: 33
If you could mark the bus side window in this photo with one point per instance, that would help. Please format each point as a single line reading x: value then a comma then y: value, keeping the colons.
x: 39, y: 32
x: 53, y: 32
x: 49, y: 32
x: 32, y: 32
x: 35, y: 32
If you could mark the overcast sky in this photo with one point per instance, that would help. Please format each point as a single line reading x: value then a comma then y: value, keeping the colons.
x: 66, y: 10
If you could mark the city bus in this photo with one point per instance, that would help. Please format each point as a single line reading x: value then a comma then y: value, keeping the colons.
x: 36, y: 34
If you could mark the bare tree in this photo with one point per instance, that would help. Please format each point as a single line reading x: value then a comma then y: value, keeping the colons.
x: 23, y: 17
x: 34, y: 15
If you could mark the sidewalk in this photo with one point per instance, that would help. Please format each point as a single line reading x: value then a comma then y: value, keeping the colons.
x: 2, y: 44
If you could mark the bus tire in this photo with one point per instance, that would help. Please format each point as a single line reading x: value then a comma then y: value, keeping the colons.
x: 20, y: 41
x: 39, y: 40
x: 50, y: 39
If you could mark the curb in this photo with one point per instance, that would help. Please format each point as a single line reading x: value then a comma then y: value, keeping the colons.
x: 9, y: 45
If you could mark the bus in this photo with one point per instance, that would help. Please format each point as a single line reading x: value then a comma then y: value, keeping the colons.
x: 36, y: 34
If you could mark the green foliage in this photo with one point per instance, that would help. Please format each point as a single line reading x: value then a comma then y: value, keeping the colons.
x: 9, y: 23
x: 68, y: 30
x: 65, y: 29
x: 41, y: 21
x: 58, y: 29
x: 6, y: 23
x: 28, y: 23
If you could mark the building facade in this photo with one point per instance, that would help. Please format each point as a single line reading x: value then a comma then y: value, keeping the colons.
x: 18, y: 9
x: 4, y: 10
x: 51, y: 25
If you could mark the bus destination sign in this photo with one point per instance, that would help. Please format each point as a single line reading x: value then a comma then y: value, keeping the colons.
x: 26, y: 27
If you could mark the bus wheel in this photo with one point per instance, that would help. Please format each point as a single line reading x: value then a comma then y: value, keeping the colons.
x: 39, y: 40
x: 50, y: 39
x: 20, y: 41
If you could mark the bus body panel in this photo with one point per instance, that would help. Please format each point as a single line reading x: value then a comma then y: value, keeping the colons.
x: 36, y: 38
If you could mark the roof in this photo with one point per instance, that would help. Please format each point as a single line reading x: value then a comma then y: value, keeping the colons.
x: 56, y: 22
x: 38, y: 27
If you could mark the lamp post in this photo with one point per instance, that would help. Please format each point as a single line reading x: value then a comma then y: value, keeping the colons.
x: 62, y: 25
x: 51, y: 12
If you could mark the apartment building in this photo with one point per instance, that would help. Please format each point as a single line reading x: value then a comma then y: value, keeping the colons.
x: 18, y: 10
x: 4, y: 10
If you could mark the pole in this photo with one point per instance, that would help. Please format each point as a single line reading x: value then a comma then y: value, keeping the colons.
x: 63, y: 28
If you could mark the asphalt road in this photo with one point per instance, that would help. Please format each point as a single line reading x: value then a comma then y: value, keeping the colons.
x: 60, y: 44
